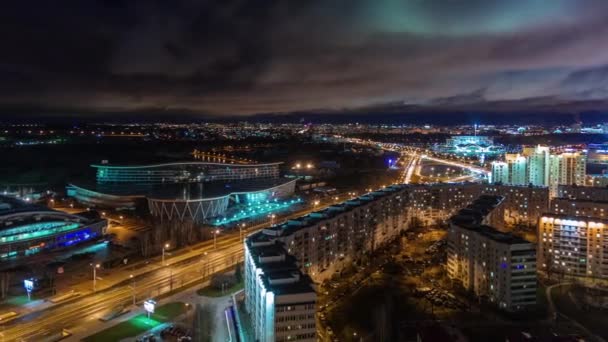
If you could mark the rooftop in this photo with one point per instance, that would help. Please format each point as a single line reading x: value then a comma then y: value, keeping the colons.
x: 281, y: 267
x: 311, y: 219
x: 472, y: 216
x: 475, y: 212
x: 186, y: 191
x: 179, y: 164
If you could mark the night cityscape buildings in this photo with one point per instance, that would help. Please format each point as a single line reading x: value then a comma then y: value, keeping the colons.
x: 261, y: 171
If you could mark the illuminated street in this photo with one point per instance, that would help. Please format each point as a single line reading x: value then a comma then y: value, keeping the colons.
x: 192, y: 265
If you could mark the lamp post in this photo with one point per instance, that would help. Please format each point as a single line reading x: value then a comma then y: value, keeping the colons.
x: 95, y: 267
x: 241, y: 226
x: 215, y: 232
x: 164, y: 247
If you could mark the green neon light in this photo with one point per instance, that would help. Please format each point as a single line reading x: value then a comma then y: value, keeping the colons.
x: 36, y: 231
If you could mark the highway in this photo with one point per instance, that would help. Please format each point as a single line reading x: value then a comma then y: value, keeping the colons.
x: 411, y: 162
x: 469, y: 167
x: 194, y: 264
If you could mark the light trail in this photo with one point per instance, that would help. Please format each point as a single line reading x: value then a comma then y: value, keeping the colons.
x: 457, y: 164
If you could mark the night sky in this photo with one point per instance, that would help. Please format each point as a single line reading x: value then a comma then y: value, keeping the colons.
x: 232, y: 57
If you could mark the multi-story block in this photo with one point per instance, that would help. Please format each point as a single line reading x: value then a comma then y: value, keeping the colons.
x: 538, y: 164
x: 573, y: 246
x: 523, y: 205
x: 576, y: 207
x: 539, y: 167
x: 324, y: 241
x: 278, y: 297
x: 566, y: 168
x: 583, y: 192
x: 494, y: 265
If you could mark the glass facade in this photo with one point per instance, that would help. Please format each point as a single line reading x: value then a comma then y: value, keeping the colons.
x: 184, y: 172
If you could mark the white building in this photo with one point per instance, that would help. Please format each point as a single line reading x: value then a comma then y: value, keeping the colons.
x: 539, y: 167
x: 496, y: 266
x: 280, y: 300
x: 566, y: 168
x: 538, y: 164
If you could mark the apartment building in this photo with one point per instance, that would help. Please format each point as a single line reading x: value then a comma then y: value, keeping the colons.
x: 280, y: 300
x: 436, y: 203
x: 496, y: 266
x: 589, y: 193
x: 538, y: 166
x: 573, y: 245
x: 579, y: 207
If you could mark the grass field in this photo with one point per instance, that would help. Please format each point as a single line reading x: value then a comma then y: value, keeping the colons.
x: 139, y: 324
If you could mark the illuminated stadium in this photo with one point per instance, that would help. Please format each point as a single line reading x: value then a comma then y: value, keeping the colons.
x: 469, y: 145
x: 196, y: 191
x: 184, y: 172
x: 27, y: 229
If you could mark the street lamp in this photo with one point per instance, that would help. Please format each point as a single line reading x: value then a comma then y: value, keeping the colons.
x: 217, y: 231
x: 164, y: 247
x: 241, y: 231
x: 95, y: 267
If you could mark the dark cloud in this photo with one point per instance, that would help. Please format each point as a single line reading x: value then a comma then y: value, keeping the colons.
x: 245, y: 56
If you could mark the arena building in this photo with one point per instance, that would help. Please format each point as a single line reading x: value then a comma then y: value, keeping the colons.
x: 188, y: 191
x: 27, y: 229
x: 184, y: 172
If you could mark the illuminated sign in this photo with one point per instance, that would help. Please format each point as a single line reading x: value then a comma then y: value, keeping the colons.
x: 149, y: 306
x: 28, y: 284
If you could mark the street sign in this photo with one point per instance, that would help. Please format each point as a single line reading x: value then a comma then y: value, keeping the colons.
x: 28, y: 284
x: 29, y: 287
x: 149, y: 306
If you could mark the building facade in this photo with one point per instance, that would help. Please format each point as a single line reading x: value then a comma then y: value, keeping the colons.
x: 183, y: 172
x: 494, y: 265
x: 435, y: 203
x: 279, y: 299
x: 28, y: 229
x: 566, y: 168
x: 588, y: 193
x: 537, y: 166
x: 572, y: 245
x: 576, y: 207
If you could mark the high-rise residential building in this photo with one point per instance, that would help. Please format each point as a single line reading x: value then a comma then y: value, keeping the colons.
x: 497, y: 266
x: 566, y: 168
x: 538, y: 164
x: 573, y: 246
x: 538, y: 167
x: 518, y: 170
x: 500, y: 173
x: 280, y: 299
x: 512, y: 171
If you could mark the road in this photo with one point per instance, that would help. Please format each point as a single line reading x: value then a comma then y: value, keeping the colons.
x: 192, y: 265
x: 410, y: 162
